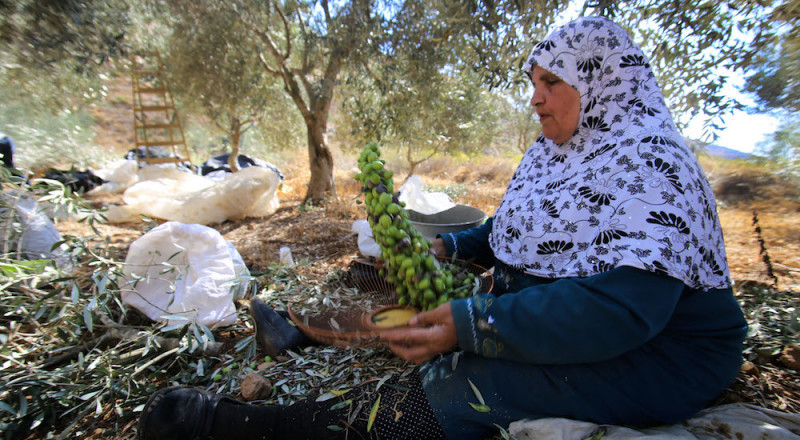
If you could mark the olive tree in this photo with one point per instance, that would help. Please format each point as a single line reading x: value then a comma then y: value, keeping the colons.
x: 310, y: 46
x: 774, y: 62
x: 776, y: 72
x: 213, y: 70
x: 446, y: 113
x: 520, y: 124
x: 54, y: 54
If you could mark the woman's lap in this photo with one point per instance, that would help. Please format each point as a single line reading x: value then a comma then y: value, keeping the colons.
x: 642, y: 388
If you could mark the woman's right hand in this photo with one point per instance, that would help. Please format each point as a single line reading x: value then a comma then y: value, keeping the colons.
x: 438, y: 248
x: 427, y: 335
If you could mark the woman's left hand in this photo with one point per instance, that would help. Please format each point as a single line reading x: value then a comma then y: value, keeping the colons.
x: 427, y: 335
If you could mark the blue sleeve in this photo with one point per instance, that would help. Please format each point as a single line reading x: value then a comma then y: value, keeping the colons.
x: 571, y: 320
x: 471, y: 245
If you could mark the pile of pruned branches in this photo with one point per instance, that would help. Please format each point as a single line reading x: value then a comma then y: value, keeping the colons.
x: 76, y: 363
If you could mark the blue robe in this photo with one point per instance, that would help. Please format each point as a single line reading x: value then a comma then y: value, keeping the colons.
x: 623, y: 347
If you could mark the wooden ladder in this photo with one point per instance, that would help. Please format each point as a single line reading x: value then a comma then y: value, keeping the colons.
x: 156, y: 124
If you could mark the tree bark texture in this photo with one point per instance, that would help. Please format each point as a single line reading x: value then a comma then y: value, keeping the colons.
x: 320, y: 162
x: 236, y: 135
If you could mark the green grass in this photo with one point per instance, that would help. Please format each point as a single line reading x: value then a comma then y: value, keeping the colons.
x: 45, y: 139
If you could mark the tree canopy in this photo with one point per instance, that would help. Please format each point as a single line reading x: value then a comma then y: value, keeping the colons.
x: 213, y: 71
x: 54, y: 52
x: 310, y: 49
x: 776, y: 61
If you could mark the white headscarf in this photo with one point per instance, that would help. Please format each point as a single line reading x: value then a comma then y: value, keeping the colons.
x: 624, y: 190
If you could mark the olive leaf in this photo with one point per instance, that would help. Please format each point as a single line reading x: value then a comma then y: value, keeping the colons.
x: 477, y: 392
x: 482, y: 406
x: 340, y: 392
x: 324, y: 397
x: 342, y: 404
x: 373, y: 413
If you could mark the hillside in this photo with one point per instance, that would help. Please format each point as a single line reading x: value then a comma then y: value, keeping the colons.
x: 724, y: 152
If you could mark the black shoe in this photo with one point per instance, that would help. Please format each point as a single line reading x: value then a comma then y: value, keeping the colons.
x: 273, y: 332
x: 179, y: 413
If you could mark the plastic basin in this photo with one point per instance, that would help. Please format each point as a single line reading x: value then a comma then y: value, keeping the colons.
x: 456, y: 219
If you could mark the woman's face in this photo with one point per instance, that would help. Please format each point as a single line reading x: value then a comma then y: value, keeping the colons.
x: 557, y: 103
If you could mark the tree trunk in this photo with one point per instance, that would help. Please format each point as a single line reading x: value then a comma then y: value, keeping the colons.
x: 320, y: 159
x: 320, y: 162
x: 313, y: 96
x: 236, y: 135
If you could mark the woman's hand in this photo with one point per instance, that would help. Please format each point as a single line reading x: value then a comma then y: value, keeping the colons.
x: 428, y: 335
x: 438, y: 248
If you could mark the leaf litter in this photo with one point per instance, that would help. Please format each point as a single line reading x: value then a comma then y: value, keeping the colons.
x: 769, y: 383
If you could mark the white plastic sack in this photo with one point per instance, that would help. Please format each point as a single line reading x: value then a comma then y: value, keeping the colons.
x: 159, y: 193
x: 423, y: 202
x: 366, y: 241
x: 187, y: 270
x: 39, y: 234
x: 118, y: 175
x: 169, y: 194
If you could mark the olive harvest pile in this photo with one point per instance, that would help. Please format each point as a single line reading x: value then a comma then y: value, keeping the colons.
x: 419, y: 278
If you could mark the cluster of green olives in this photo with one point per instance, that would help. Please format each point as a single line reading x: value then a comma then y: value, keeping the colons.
x: 419, y: 278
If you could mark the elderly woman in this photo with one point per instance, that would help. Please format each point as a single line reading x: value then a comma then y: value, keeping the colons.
x: 612, y: 304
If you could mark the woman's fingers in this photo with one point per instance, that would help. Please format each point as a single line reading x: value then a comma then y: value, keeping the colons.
x: 440, y: 315
x: 415, y: 354
x: 420, y: 344
x: 407, y: 336
x: 416, y: 345
x: 438, y: 248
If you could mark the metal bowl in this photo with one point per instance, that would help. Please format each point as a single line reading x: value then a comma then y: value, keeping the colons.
x: 456, y: 219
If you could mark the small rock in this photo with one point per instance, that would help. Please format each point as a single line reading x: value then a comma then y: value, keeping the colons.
x: 256, y: 387
x: 749, y: 368
x: 790, y: 357
x: 264, y: 365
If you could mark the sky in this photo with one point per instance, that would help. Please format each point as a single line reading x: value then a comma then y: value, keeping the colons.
x: 742, y: 131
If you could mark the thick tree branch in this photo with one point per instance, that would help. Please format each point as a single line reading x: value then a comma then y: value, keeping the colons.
x: 327, y: 12
x: 306, y: 44
x: 269, y: 69
x: 286, y: 32
x: 273, y: 50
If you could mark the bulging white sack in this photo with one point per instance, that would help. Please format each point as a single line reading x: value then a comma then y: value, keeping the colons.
x: 118, y: 176
x: 170, y: 194
x: 366, y: 241
x: 39, y: 234
x: 423, y: 202
x: 186, y: 270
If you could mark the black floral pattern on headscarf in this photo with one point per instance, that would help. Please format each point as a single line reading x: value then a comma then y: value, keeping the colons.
x: 624, y: 190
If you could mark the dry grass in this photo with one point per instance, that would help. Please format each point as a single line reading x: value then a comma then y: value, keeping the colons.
x: 744, y: 189
x: 481, y: 182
